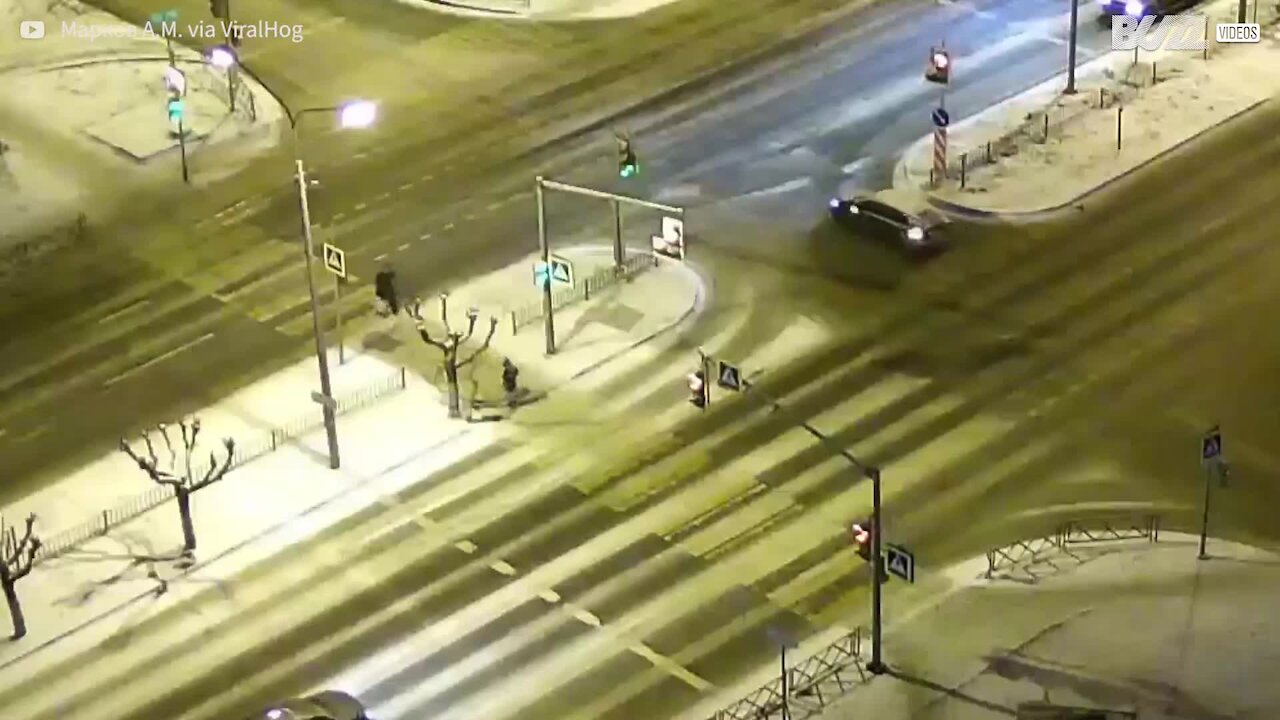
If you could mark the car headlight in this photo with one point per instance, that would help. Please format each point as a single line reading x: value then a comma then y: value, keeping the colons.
x: 915, y: 234
x: 1134, y: 8
x: 835, y: 203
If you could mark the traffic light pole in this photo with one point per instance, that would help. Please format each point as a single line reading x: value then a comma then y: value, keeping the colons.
x: 876, y: 665
x: 541, y: 185
x: 182, y: 148
x: 544, y: 246
x: 1071, y: 48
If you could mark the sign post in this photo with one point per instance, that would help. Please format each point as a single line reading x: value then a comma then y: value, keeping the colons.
x: 335, y: 261
x: 1210, y: 463
x: 940, y: 122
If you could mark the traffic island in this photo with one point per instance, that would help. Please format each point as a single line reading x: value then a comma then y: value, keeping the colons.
x: 1044, y: 150
x: 600, y: 312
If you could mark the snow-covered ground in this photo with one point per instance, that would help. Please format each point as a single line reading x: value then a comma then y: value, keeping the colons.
x: 1143, y: 628
x: 85, y: 120
x: 1028, y: 172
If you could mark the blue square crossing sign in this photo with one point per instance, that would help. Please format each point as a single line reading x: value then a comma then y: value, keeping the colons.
x: 1211, y: 445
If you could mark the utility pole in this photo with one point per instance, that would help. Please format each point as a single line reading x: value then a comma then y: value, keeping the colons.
x: 326, y: 390
x: 1071, y: 48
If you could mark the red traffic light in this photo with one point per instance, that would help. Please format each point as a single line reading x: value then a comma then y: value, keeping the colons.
x: 861, y: 533
x: 939, y: 69
x: 698, y: 389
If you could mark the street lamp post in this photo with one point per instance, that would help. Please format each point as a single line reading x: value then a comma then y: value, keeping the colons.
x: 351, y: 115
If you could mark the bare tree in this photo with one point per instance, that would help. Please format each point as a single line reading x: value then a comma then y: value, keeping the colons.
x: 177, y: 472
x: 17, y: 556
x: 450, y: 342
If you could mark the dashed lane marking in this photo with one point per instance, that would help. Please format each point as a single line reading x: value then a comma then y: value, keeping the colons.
x: 495, y: 205
x: 32, y: 434
x: 428, y: 177
x: 157, y: 359
x: 384, y: 196
x: 424, y: 236
x: 361, y: 206
x: 586, y: 617
x: 465, y: 546
x: 469, y: 216
x: 670, y: 667
x: 550, y: 596
x: 403, y: 247
x: 502, y: 567
x: 338, y: 216
x: 406, y: 186
x: 448, y: 227
x: 380, y: 258
x: 135, y: 305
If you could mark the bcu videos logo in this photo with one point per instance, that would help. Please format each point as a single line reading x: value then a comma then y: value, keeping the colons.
x: 31, y: 29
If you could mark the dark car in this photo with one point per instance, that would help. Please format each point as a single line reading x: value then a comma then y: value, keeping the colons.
x: 327, y: 705
x: 1143, y: 8
x: 898, y: 217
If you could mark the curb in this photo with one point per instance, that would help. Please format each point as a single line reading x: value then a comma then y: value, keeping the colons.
x: 130, y: 602
x: 484, y: 11
x: 810, y: 34
x: 972, y: 213
x: 700, y: 299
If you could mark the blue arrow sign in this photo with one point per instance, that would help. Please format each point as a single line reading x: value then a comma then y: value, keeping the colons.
x: 1211, y: 445
x: 175, y: 109
x: 941, y: 118
x: 541, y: 275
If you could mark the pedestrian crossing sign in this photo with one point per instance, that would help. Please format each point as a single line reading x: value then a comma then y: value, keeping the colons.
x: 729, y: 376
x: 561, y: 271
x: 900, y: 562
x: 1211, y: 445
x: 335, y: 260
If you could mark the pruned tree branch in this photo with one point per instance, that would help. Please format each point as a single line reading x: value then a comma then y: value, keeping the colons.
x: 189, y: 433
x: 215, y: 473
x: 493, y: 327
x: 19, y: 555
x: 444, y: 314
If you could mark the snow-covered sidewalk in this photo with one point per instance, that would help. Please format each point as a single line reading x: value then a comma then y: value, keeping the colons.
x: 85, y: 120
x: 257, y: 509
x: 1141, y: 628
x: 1003, y: 161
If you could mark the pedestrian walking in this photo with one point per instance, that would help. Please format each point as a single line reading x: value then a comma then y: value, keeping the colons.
x: 510, y: 381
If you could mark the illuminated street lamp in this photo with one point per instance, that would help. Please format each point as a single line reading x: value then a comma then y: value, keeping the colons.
x: 352, y: 115
x: 357, y: 114
x: 223, y: 58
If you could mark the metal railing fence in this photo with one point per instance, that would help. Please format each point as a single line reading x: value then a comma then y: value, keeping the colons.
x: 811, y: 686
x: 602, y: 278
x: 1026, y: 556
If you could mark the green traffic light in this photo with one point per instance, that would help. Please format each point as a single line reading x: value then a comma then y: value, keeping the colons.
x: 627, y: 171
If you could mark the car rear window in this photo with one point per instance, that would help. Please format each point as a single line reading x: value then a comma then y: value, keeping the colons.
x: 884, y: 211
